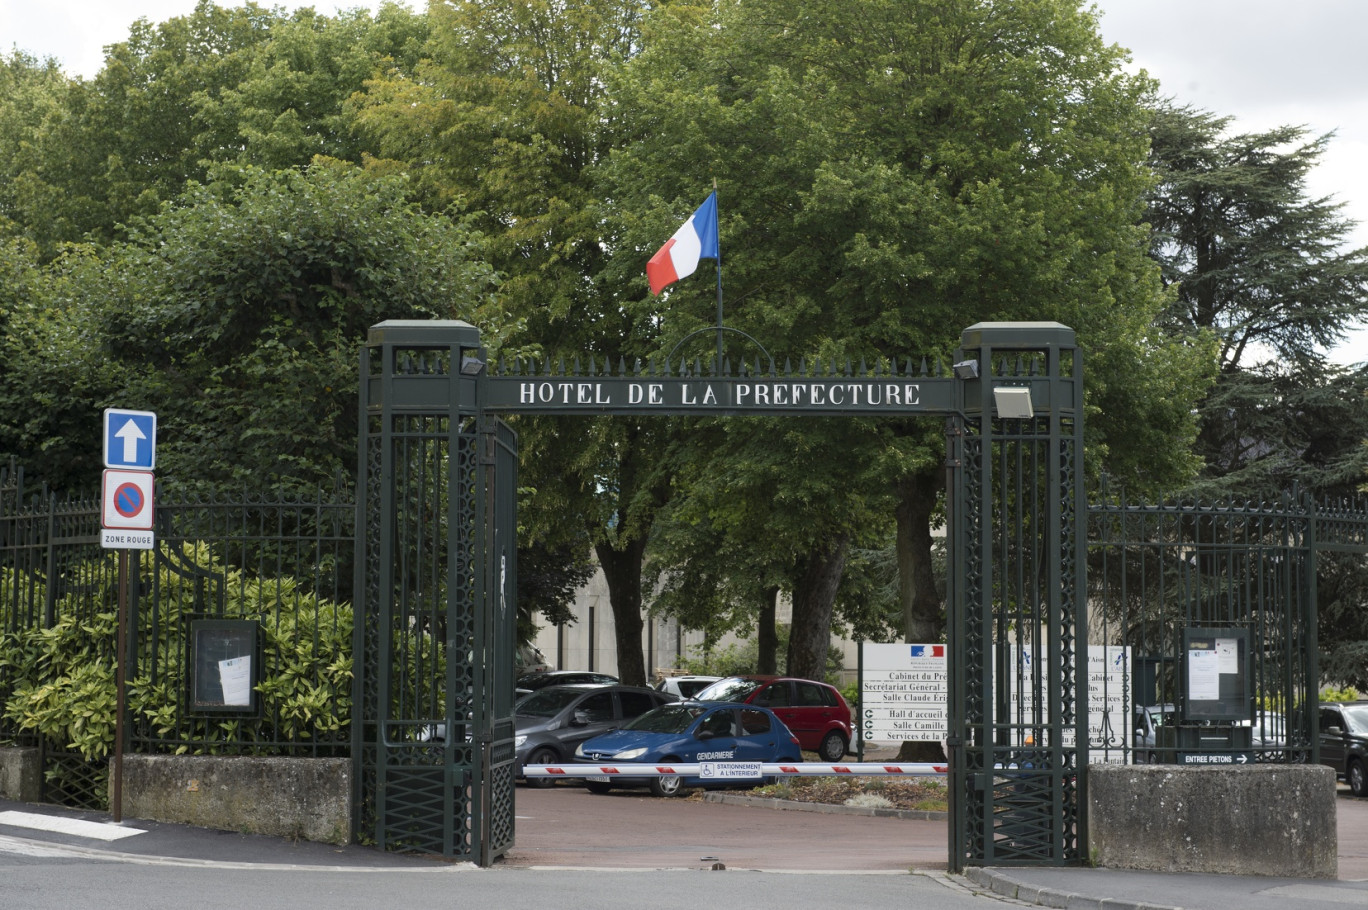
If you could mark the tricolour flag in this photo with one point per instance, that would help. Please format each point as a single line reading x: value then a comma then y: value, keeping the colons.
x: 696, y: 240
x: 928, y: 650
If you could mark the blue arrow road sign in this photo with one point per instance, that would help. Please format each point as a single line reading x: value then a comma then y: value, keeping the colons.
x: 130, y: 439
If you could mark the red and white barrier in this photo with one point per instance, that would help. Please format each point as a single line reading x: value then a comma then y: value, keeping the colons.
x: 803, y: 769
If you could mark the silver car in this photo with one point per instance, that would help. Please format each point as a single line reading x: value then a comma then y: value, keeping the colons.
x: 1148, y: 720
x: 553, y: 721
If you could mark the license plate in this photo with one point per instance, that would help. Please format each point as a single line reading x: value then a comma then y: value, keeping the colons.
x: 599, y: 779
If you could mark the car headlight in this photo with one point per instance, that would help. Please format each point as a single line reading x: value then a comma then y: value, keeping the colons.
x: 579, y: 751
x: 519, y: 740
x: 630, y: 754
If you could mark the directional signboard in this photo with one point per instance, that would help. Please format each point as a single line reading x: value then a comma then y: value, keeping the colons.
x: 130, y: 439
x: 904, y: 692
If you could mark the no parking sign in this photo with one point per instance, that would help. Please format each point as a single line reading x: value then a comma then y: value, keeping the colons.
x: 127, y: 507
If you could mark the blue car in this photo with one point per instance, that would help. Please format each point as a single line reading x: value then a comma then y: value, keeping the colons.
x: 688, y: 732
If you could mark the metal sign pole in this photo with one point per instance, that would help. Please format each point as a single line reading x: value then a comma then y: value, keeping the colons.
x: 119, y: 679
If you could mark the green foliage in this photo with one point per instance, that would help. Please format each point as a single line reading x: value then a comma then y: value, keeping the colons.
x: 244, y: 84
x: 1330, y: 693
x: 64, y: 676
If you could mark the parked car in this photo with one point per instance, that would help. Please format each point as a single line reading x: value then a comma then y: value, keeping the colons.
x: 1269, y: 736
x: 531, y: 682
x: 814, y: 711
x: 1146, y: 723
x: 682, y: 687
x: 529, y: 659
x: 1344, y: 743
x: 691, y: 731
x: 552, y: 721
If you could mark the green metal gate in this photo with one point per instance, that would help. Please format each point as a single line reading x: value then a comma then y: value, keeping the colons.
x: 1017, y: 622
x: 435, y: 630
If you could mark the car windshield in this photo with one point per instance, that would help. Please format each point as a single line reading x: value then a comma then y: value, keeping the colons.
x: 547, y: 702
x: 1160, y: 717
x: 690, y: 688
x: 729, y: 690
x: 674, y: 718
x: 1356, y: 716
x: 535, y: 681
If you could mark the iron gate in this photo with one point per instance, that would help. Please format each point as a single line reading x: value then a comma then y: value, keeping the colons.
x: 1016, y: 618
x: 436, y: 624
x: 434, y: 646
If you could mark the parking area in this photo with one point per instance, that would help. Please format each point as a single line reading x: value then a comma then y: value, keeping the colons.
x: 568, y: 827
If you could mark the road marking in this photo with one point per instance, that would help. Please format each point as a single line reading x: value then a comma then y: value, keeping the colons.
x: 74, y: 826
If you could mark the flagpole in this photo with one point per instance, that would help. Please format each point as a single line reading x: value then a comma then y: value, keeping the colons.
x: 719, y: 282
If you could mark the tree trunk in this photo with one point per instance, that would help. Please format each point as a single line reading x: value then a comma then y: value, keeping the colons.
x: 923, y: 613
x: 622, y: 569
x: 766, y: 637
x: 820, y: 574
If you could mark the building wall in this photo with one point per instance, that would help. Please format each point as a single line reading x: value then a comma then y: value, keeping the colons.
x: 589, y: 643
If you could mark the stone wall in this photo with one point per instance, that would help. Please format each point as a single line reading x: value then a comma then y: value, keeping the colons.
x: 308, y: 798
x: 20, y: 772
x: 1276, y: 820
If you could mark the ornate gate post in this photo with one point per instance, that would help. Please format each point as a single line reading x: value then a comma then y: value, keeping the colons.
x: 432, y: 739
x: 1017, y: 612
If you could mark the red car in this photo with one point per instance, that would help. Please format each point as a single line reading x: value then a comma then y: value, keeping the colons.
x: 814, y: 711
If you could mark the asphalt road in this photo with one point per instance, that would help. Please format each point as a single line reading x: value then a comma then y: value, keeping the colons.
x: 624, y: 850
x: 632, y: 830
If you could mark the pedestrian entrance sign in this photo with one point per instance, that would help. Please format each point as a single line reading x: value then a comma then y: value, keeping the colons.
x: 130, y: 439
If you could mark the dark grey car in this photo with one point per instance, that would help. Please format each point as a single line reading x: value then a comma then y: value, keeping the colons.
x: 553, y: 721
x: 1344, y: 743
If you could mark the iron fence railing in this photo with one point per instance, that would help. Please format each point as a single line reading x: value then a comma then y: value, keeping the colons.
x: 1161, y: 576
x: 277, y: 573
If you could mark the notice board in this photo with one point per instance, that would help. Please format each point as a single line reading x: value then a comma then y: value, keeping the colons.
x: 1216, y: 674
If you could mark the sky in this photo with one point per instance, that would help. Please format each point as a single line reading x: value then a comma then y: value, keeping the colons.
x: 1264, y: 62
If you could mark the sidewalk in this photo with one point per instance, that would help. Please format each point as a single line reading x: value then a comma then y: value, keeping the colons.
x: 54, y: 831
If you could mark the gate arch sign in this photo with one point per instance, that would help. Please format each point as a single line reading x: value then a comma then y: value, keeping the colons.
x: 436, y: 565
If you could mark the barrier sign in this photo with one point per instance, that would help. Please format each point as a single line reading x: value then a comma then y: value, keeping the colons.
x: 729, y: 770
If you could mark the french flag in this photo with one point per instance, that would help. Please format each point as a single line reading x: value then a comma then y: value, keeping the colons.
x: 928, y: 650
x: 696, y: 240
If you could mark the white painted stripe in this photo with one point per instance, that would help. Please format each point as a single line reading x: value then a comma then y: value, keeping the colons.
x: 73, y: 826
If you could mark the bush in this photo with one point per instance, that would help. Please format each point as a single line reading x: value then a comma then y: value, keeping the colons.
x: 62, y: 678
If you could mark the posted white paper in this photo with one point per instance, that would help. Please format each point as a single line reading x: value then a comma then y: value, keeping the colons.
x: 1204, y: 675
x: 235, y: 676
x: 1229, y: 655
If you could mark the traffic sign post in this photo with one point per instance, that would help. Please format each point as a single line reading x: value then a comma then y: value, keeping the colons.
x: 130, y: 454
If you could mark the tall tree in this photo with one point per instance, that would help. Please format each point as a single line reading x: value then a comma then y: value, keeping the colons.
x: 237, y: 315
x: 890, y: 173
x: 1262, y: 268
x: 236, y: 84
x: 508, y: 120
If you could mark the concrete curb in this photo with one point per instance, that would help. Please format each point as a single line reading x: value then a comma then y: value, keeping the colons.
x: 792, y: 805
x: 1000, y: 881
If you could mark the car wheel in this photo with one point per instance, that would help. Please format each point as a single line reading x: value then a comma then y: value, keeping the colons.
x: 832, y: 747
x: 542, y: 756
x: 1356, y: 778
x: 668, y: 786
x: 598, y: 787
